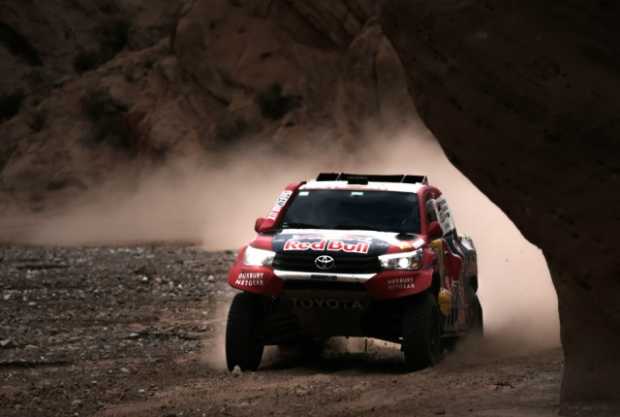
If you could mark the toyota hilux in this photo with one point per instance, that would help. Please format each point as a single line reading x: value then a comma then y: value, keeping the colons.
x: 354, y: 255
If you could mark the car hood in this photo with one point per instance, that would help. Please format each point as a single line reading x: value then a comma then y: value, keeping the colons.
x: 353, y: 242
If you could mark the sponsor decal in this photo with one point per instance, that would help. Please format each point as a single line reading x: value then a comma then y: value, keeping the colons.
x: 327, y: 245
x: 444, y: 299
x: 404, y: 283
x: 280, y: 203
x: 328, y: 303
x: 444, y: 216
x: 293, y: 244
x: 250, y: 279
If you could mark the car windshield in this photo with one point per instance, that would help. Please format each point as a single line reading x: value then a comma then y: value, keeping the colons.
x: 385, y: 211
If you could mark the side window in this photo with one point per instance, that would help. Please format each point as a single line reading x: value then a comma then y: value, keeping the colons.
x: 431, y: 210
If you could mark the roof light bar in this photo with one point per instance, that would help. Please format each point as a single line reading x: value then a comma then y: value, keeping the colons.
x: 364, y: 178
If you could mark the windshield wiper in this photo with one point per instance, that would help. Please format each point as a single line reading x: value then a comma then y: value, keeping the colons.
x: 300, y: 226
x: 351, y: 227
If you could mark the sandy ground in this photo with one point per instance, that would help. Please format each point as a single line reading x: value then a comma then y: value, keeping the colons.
x: 137, y: 332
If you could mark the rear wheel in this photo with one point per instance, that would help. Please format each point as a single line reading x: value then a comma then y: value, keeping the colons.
x: 477, y: 323
x: 422, y: 332
x: 244, y: 341
x: 450, y: 343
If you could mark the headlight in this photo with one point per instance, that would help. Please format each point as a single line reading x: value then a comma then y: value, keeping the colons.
x: 258, y: 257
x: 410, y: 261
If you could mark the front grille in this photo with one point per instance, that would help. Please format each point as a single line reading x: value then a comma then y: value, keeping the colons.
x: 343, y: 263
x: 294, y: 285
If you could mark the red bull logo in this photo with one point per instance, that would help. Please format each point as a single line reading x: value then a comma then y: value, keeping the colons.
x: 327, y: 245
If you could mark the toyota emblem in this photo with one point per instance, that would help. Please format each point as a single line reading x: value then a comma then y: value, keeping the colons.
x: 324, y: 262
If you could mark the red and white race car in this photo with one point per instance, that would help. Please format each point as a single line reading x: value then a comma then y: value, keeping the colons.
x: 355, y: 255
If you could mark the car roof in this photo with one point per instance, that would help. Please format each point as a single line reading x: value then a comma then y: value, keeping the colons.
x: 370, y: 186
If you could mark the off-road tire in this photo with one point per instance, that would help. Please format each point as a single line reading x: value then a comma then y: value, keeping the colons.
x: 421, y: 332
x: 244, y: 342
x: 476, y: 328
x: 450, y: 343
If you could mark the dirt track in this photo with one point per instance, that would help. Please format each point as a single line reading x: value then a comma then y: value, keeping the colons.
x: 137, y: 332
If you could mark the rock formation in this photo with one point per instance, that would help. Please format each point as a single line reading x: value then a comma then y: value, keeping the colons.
x: 104, y: 84
x: 523, y: 97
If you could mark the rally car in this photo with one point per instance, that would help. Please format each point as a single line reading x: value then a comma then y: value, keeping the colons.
x: 355, y: 255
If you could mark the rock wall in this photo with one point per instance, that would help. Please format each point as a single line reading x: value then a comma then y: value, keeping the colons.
x: 523, y: 97
x: 91, y: 87
x: 72, y: 83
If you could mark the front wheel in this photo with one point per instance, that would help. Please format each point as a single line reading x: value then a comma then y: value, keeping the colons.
x: 422, y: 332
x: 244, y: 342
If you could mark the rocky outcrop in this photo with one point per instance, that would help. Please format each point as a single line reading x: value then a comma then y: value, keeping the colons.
x: 135, y: 83
x: 523, y: 96
x: 48, y: 43
x: 56, y: 59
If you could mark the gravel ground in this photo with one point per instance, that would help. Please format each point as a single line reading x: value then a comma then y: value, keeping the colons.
x: 137, y: 332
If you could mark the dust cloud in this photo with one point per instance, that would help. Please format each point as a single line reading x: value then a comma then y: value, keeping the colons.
x: 518, y: 298
x: 215, y: 202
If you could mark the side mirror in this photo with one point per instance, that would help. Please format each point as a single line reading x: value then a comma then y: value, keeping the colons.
x: 434, y: 230
x: 260, y: 226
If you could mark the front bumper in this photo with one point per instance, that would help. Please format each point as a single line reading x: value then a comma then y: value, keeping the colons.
x: 379, y: 285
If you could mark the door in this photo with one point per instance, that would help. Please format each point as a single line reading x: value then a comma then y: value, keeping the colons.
x: 450, y: 260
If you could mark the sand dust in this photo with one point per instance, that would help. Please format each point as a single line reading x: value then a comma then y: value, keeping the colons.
x: 216, y: 201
